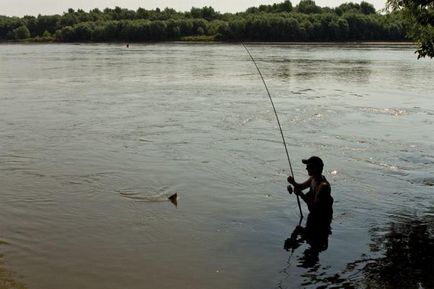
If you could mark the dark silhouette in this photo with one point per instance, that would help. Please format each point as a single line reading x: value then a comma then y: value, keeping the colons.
x: 320, y: 204
x: 315, y: 234
x: 407, y: 253
x: 400, y: 256
x: 174, y: 199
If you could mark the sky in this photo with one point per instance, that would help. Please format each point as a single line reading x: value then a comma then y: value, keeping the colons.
x: 45, y: 7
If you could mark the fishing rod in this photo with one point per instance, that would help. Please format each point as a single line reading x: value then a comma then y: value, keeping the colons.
x: 277, y: 118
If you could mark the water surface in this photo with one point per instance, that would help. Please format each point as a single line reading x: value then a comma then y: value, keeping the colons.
x: 94, y: 137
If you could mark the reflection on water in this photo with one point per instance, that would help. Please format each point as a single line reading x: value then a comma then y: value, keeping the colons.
x: 341, y: 70
x: 316, y: 234
x: 401, y: 256
x: 406, y: 248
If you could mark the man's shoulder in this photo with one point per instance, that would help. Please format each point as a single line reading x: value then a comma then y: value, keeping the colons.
x: 325, y: 181
x: 324, y: 185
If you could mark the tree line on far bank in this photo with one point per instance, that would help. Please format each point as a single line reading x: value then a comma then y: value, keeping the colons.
x: 278, y: 22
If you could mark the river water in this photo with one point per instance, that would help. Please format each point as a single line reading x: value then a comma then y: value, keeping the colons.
x: 93, y: 138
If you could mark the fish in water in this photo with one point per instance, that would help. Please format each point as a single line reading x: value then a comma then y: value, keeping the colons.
x: 163, y: 197
x: 174, y: 199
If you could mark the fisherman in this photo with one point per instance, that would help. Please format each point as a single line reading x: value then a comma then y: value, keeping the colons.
x: 318, y: 200
x: 320, y: 204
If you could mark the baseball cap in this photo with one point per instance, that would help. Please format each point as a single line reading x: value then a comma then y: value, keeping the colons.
x: 313, y: 160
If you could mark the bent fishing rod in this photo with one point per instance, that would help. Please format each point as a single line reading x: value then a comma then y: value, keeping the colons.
x: 277, y: 118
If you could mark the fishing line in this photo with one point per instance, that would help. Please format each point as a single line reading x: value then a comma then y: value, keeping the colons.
x: 277, y: 118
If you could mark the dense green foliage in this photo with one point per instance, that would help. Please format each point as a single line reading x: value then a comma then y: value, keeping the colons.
x: 21, y: 32
x: 277, y: 22
x: 419, y: 15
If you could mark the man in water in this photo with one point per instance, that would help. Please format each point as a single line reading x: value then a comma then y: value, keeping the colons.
x: 320, y: 204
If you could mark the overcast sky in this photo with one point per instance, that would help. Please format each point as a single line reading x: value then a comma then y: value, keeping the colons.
x: 34, y: 7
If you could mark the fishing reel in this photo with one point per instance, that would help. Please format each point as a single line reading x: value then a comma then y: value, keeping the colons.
x: 290, y: 190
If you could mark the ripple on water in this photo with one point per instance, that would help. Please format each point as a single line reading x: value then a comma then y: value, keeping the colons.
x: 387, y: 111
x: 161, y: 194
x: 428, y: 181
x: 146, y: 197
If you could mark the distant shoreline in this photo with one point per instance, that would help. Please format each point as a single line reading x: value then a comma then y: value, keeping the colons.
x: 313, y: 43
x: 277, y: 23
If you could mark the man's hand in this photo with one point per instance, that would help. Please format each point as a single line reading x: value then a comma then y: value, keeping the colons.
x: 291, y: 180
x: 298, y: 192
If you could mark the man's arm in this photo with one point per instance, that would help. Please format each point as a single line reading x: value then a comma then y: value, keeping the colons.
x: 299, y: 186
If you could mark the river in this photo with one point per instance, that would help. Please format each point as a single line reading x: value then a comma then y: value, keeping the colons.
x: 94, y: 137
